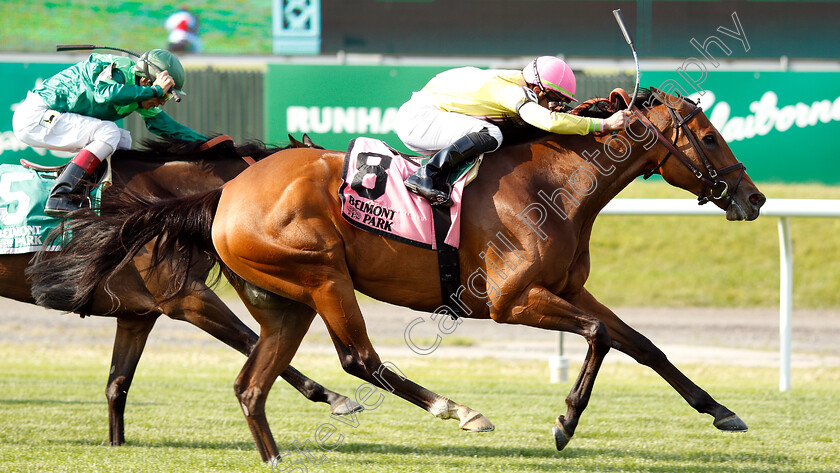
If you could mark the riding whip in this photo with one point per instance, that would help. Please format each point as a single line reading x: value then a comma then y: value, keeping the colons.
x: 90, y: 47
x: 620, y: 20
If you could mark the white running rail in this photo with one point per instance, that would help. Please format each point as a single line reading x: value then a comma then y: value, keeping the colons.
x: 783, y: 209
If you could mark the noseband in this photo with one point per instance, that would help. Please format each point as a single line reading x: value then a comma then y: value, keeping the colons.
x: 716, y: 188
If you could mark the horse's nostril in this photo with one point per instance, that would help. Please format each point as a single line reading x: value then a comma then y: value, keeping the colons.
x: 758, y: 199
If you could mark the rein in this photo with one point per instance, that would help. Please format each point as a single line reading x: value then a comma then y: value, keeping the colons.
x: 223, y: 139
x: 717, y: 188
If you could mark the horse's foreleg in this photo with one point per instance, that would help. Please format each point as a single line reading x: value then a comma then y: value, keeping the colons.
x: 637, y: 346
x: 129, y: 341
x: 540, y: 308
x: 280, y: 336
x: 204, y: 309
x: 340, y: 311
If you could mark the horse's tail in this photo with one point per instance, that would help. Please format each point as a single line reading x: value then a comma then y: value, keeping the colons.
x: 100, y: 246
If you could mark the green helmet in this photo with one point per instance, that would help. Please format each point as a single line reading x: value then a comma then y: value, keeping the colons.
x: 157, y: 60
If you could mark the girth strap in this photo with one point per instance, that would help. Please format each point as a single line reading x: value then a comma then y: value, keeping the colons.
x: 448, y: 264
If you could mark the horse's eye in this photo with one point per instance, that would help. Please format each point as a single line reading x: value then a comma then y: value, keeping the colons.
x: 709, y: 139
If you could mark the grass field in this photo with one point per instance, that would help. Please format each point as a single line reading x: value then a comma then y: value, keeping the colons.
x: 182, y: 416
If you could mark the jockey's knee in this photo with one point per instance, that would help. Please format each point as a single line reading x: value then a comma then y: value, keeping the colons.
x: 496, y: 133
x: 125, y: 139
x: 107, y: 133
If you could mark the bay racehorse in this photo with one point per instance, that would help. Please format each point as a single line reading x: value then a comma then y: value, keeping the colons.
x: 277, y: 229
x: 164, y: 169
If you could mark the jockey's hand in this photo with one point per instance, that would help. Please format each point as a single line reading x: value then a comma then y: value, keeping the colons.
x: 617, y: 121
x: 165, y: 81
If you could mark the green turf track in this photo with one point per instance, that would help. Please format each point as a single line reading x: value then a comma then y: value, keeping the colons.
x: 183, y: 417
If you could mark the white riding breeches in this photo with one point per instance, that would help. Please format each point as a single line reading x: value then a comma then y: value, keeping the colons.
x: 426, y: 129
x: 35, y: 124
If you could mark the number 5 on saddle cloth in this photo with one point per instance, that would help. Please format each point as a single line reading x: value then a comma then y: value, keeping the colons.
x: 24, y: 189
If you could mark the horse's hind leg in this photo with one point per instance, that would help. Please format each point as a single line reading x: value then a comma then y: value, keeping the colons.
x: 281, y: 332
x: 202, y: 307
x: 636, y: 345
x: 339, y: 404
x: 337, y: 305
x: 129, y: 341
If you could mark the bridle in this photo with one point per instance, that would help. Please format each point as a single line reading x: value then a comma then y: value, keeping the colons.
x: 717, y: 188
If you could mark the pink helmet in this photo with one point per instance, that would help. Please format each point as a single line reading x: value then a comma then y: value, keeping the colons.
x: 551, y: 73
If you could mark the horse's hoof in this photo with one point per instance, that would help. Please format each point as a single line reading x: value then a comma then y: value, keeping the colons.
x: 476, y: 423
x: 349, y: 406
x: 732, y: 423
x: 561, y: 438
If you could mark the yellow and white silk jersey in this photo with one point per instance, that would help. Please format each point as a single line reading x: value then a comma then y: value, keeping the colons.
x: 495, y: 93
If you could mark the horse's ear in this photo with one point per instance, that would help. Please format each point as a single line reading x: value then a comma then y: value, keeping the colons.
x: 309, y: 143
x: 670, y: 101
x: 294, y: 143
x: 662, y: 97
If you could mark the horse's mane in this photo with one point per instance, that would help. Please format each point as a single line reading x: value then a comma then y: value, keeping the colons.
x: 598, y: 107
x: 602, y: 107
x: 172, y: 149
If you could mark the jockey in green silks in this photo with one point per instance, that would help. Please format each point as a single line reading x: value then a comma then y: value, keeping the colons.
x: 75, y: 111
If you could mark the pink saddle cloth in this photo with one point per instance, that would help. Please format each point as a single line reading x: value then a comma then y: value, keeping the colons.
x: 375, y: 199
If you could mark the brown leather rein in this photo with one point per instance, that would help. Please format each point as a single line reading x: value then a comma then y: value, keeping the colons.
x: 717, y: 188
x: 223, y: 139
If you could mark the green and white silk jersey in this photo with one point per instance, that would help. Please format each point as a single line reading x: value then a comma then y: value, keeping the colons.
x: 105, y: 87
x: 484, y: 93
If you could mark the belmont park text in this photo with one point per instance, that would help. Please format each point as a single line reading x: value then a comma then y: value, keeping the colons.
x: 21, y: 236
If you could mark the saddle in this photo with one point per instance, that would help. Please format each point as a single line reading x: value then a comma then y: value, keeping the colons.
x: 375, y: 199
x: 102, y: 177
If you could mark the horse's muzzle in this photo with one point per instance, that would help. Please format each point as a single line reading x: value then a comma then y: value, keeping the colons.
x: 745, y: 207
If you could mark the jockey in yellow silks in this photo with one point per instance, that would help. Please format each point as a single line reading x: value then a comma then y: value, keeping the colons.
x: 451, y: 117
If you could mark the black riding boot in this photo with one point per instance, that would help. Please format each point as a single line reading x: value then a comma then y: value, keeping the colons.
x: 431, y: 181
x: 67, y: 194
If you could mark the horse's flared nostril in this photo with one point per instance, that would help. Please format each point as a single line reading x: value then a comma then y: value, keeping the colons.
x: 758, y: 199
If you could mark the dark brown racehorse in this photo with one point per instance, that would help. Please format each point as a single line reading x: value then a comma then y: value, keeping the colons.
x: 163, y: 169
x: 524, y: 253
